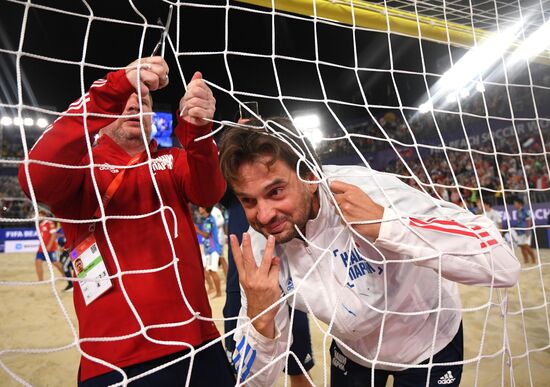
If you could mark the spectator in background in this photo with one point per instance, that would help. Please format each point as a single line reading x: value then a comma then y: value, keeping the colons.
x: 208, y: 230
x: 455, y: 198
x: 220, y: 223
x: 13, y: 202
x: 64, y: 258
x: 48, y: 236
x: 521, y: 234
x: 485, y: 208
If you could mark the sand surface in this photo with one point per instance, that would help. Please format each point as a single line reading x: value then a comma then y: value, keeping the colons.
x: 38, y: 346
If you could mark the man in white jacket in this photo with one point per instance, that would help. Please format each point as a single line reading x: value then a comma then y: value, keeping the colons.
x: 364, y: 252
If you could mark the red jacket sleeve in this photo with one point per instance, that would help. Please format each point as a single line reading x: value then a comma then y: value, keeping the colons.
x: 63, y: 143
x: 202, y: 181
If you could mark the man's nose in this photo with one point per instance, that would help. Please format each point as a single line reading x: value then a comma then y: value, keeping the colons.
x: 265, y: 213
x: 133, y: 104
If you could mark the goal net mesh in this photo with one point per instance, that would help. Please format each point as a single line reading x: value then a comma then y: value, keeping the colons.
x: 451, y: 96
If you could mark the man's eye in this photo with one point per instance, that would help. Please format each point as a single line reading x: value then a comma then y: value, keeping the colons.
x: 276, y: 191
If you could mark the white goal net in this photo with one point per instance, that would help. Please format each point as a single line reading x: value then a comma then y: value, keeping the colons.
x: 450, y: 96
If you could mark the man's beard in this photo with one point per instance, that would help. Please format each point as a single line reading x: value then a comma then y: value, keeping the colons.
x: 300, y: 223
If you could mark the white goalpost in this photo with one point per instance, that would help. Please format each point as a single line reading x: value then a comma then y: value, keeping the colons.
x: 449, y: 96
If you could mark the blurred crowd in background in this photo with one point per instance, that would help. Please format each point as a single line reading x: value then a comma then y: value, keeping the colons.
x: 408, y: 145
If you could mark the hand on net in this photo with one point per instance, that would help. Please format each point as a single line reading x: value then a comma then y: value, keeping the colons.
x: 153, y: 74
x: 357, y: 206
x: 198, y: 104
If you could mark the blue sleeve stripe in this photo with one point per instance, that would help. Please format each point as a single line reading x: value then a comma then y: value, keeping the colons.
x: 236, y: 358
x: 247, y: 350
x: 248, y: 366
x: 241, y: 343
x: 237, y: 353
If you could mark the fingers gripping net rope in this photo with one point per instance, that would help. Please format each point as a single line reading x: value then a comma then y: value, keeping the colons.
x: 439, y: 93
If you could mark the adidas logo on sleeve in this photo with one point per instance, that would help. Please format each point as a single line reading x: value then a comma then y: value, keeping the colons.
x: 448, y: 378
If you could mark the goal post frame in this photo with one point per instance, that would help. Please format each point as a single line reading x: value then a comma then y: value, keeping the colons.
x: 378, y: 18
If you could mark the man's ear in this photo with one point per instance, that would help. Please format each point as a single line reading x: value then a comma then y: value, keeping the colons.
x: 311, y: 177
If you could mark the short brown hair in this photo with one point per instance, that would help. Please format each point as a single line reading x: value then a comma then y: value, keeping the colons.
x: 240, y: 145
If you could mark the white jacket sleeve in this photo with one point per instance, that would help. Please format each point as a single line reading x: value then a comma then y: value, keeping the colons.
x: 470, y: 248
x: 255, y: 354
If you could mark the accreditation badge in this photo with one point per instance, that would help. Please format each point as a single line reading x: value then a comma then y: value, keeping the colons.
x: 90, y: 268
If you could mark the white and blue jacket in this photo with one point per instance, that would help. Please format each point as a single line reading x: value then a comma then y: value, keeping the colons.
x: 392, y: 302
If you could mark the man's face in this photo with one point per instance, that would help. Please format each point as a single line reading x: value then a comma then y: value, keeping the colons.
x: 126, y: 129
x: 203, y: 212
x: 275, y: 199
x: 517, y: 205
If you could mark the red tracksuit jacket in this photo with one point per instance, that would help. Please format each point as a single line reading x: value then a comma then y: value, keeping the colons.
x: 183, y: 176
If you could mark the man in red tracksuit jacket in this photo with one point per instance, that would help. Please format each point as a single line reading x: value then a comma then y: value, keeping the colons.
x: 144, y: 319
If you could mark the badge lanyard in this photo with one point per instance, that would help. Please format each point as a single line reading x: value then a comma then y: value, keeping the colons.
x: 86, y: 257
x: 115, y: 185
